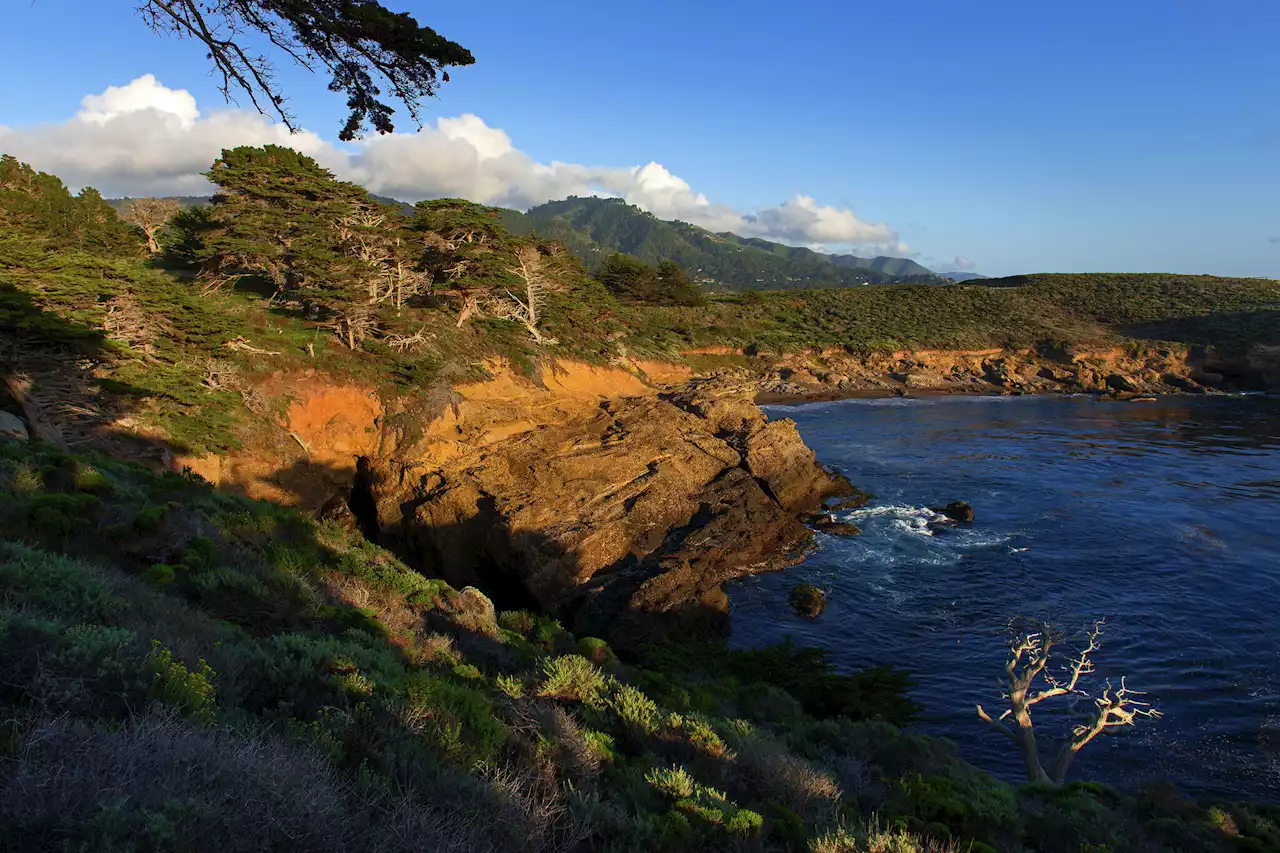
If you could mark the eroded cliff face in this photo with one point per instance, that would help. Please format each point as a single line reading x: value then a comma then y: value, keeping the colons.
x: 614, y: 505
x: 597, y: 494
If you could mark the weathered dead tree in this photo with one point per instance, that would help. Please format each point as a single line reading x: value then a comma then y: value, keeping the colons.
x: 537, y: 267
x: 406, y: 343
x: 151, y: 215
x: 388, y: 276
x: 1029, y: 680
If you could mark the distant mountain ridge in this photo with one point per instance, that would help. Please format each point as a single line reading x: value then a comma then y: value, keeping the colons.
x: 593, y: 228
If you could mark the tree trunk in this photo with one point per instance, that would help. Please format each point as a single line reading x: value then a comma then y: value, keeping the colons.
x: 1027, y: 739
x: 1063, y: 763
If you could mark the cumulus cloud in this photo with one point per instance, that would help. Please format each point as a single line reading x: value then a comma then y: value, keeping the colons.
x: 961, y: 263
x: 144, y: 138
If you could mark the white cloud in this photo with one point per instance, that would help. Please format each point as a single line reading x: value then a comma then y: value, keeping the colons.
x: 961, y: 263
x: 147, y: 139
x: 145, y: 93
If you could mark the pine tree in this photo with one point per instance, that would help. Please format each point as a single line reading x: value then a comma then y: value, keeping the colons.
x: 39, y: 206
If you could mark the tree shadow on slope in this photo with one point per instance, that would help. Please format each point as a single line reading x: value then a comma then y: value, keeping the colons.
x: 76, y: 388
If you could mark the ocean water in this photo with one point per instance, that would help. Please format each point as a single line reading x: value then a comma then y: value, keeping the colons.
x: 1161, y: 518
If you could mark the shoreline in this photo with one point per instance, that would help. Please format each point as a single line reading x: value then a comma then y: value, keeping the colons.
x: 774, y: 398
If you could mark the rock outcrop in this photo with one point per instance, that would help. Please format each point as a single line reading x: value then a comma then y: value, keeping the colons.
x: 622, y: 515
x: 956, y: 511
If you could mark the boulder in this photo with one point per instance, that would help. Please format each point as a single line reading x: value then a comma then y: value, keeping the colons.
x: 825, y: 522
x: 956, y: 511
x: 1121, y: 383
x: 777, y: 456
x: 471, y: 609
x: 338, y: 511
x: 1182, y: 383
x: 807, y: 600
x: 11, y: 426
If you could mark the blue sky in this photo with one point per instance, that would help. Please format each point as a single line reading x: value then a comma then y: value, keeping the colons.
x: 1126, y: 135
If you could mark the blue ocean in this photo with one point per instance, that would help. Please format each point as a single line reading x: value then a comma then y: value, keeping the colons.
x: 1163, y: 518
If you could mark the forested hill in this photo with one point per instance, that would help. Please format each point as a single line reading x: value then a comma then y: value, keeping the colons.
x: 593, y: 228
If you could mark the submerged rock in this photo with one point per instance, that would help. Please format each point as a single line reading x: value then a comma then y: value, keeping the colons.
x: 807, y: 600
x: 825, y: 522
x: 956, y: 511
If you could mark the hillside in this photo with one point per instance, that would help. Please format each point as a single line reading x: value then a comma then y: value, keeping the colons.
x: 900, y: 269
x: 593, y: 227
x: 959, y: 275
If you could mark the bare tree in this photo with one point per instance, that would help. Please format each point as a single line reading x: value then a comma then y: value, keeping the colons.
x: 389, y: 274
x: 1029, y: 680
x: 538, y: 267
x: 151, y: 215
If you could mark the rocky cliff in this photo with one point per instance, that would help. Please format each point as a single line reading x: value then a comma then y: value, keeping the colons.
x: 593, y: 493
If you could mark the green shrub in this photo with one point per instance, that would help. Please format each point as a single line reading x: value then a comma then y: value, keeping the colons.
x: 675, y: 782
x: 461, y: 718
x: 597, y: 651
x: 55, y: 516
x: 149, y: 519
x: 744, y: 822
x: 55, y: 584
x: 702, y: 735
x: 160, y: 574
x: 91, y: 480
x: 602, y: 745
x: 173, y: 684
x: 635, y: 709
x: 511, y: 685
x: 573, y: 678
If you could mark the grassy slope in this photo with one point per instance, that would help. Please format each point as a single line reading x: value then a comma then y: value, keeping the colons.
x: 185, y: 669
x: 1027, y: 311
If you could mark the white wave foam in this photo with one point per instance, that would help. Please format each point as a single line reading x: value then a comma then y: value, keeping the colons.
x: 922, y: 521
x: 902, y: 511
